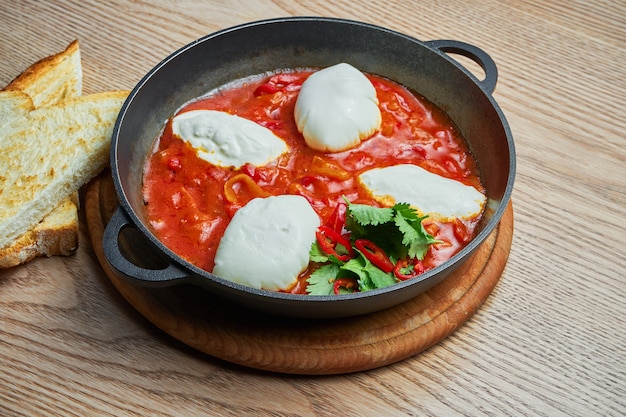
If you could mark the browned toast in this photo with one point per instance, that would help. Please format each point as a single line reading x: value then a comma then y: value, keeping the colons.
x: 42, y: 127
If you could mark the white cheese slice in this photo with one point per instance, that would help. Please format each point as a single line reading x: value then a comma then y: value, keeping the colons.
x: 267, y: 243
x: 227, y: 140
x: 336, y: 108
x: 429, y: 193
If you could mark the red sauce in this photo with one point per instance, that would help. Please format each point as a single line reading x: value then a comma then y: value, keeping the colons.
x: 185, y: 195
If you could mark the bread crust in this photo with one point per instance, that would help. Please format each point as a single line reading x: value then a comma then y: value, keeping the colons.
x: 57, y: 235
x: 52, y: 79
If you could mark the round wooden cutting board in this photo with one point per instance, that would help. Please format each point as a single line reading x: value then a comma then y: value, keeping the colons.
x: 231, y: 333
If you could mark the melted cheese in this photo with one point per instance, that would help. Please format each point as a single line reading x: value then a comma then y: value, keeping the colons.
x: 267, y: 243
x: 336, y: 108
x: 227, y: 140
x: 431, y: 194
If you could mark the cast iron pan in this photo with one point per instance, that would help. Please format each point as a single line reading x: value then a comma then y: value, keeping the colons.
x: 267, y: 45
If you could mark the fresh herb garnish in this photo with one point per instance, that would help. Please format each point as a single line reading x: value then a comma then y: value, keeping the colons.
x: 321, y: 280
x: 394, y: 233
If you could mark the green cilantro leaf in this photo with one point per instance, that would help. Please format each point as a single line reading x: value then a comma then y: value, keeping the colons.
x: 316, y: 254
x: 380, y: 278
x: 412, y: 238
x: 368, y: 215
x: 408, y: 212
x: 321, y: 281
x: 356, y: 266
x: 370, y: 277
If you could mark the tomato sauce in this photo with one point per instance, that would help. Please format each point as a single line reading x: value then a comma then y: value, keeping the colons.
x: 190, y: 202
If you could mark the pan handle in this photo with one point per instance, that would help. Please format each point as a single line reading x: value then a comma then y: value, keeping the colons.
x: 168, y: 275
x: 475, y: 54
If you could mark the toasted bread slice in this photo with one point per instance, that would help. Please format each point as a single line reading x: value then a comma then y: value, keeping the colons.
x: 14, y: 104
x: 45, y: 238
x: 49, y: 154
x: 56, y: 235
x: 48, y: 81
x: 52, y: 79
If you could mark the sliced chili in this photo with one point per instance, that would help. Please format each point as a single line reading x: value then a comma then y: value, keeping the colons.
x: 408, y: 268
x: 347, y: 283
x: 266, y: 88
x: 329, y: 241
x: 337, y: 219
x: 374, y: 254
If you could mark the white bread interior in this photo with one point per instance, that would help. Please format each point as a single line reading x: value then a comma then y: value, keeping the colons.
x: 14, y: 104
x: 49, y: 154
x: 47, y: 81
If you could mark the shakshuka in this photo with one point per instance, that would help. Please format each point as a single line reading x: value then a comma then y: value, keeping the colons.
x: 313, y: 181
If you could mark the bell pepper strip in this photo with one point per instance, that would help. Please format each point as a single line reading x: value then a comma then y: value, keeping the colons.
x: 236, y: 187
x: 330, y: 241
x: 326, y: 169
x: 408, y: 268
x: 337, y: 219
x: 346, y: 283
x: 374, y: 254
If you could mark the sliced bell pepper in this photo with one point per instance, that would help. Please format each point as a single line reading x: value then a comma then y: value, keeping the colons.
x: 374, y: 254
x: 408, y: 268
x: 241, y: 189
x: 329, y: 241
x: 326, y: 169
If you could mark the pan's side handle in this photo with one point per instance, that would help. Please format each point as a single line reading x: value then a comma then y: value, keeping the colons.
x: 475, y: 54
x: 169, y: 275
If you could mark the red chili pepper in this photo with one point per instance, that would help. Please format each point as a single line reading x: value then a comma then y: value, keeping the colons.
x: 329, y: 240
x: 374, y: 254
x: 267, y: 88
x: 347, y: 283
x: 338, y: 217
x: 414, y: 266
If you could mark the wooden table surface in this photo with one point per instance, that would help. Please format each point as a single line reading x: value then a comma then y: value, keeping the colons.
x: 551, y: 338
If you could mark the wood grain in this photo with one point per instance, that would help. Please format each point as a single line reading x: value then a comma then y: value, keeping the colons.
x: 549, y: 341
x: 309, y: 347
